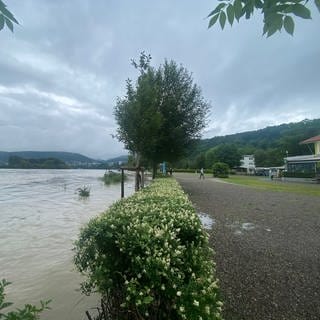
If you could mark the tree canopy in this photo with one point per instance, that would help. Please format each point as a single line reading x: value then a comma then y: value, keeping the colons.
x: 162, y: 112
x: 6, y: 17
x: 277, y: 14
x: 225, y: 153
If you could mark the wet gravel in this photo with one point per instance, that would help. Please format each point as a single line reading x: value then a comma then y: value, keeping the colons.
x: 267, y: 248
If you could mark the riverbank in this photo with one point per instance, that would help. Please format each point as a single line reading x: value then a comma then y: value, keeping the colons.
x: 267, y: 247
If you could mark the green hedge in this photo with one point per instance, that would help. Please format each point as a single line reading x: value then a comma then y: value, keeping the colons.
x: 299, y: 174
x: 185, y: 170
x: 149, y: 257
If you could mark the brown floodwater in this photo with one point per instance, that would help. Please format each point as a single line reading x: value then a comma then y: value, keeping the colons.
x: 40, y: 218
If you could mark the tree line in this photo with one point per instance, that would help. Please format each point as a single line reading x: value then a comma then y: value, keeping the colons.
x: 16, y: 162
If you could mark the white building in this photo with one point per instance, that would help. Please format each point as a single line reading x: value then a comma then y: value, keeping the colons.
x: 247, y: 163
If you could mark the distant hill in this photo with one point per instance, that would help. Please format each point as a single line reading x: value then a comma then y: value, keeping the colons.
x: 118, y: 159
x: 16, y: 162
x: 75, y: 160
x: 269, y: 145
x: 67, y: 157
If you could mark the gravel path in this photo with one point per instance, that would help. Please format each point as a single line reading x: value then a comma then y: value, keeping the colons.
x: 267, y: 249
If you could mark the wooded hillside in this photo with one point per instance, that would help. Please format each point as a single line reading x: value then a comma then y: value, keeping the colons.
x: 269, y: 145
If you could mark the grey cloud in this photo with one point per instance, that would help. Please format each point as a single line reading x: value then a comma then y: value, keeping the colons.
x: 81, y: 50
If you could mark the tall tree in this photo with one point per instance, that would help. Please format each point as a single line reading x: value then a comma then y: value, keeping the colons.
x: 6, y: 17
x: 226, y: 153
x: 162, y: 113
x: 277, y: 14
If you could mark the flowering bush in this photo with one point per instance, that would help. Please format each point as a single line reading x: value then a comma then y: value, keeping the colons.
x: 149, y: 257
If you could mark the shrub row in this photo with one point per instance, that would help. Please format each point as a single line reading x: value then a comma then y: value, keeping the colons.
x: 299, y: 175
x: 149, y: 257
x: 185, y: 170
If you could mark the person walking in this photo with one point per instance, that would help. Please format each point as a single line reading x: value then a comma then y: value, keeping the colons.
x: 201, y: 174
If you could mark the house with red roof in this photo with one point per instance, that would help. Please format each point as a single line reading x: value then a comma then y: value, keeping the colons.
x: 306, y: 165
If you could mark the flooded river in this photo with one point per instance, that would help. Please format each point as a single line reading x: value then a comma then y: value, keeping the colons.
x: 40, y: 218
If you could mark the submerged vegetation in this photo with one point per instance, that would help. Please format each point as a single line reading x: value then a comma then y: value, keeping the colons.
x: 28, y: 312
x: 149, y: 258
x: 84, y: 192
x: 112, y: 177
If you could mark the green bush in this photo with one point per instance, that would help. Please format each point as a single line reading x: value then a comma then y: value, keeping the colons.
x: 149, y: 257
x: 220, y: 170
x: 112, y: 177
x: 29, y: 312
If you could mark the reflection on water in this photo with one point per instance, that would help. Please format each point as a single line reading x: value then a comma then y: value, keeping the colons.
x: 40, y: 217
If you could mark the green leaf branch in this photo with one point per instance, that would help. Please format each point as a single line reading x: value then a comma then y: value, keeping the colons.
x: 277, y: 14
x: 6, y: 17
x: 28, y: 312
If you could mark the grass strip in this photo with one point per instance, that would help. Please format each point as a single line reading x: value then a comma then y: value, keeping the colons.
x: 276, y: 185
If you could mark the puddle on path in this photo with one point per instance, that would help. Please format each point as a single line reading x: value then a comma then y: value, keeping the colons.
x: 240, y: 228
x: 206, y: 220
x: 248, y: 226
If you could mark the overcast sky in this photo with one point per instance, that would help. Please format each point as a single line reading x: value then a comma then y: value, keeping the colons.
x: 64, y: 66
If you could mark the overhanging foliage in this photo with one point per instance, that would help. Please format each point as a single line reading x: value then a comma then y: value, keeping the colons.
x: 277, y: 14
x: 6, y: 17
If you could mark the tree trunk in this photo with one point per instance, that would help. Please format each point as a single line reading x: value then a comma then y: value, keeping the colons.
x: 154, y: 170
x: 138, y: 177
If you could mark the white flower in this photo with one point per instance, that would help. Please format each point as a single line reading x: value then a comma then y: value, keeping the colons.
x: 182, y: 309
x: 219, y: 303
x: 196, y: 303
x: 207, y: 308
x: 178, y: 293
